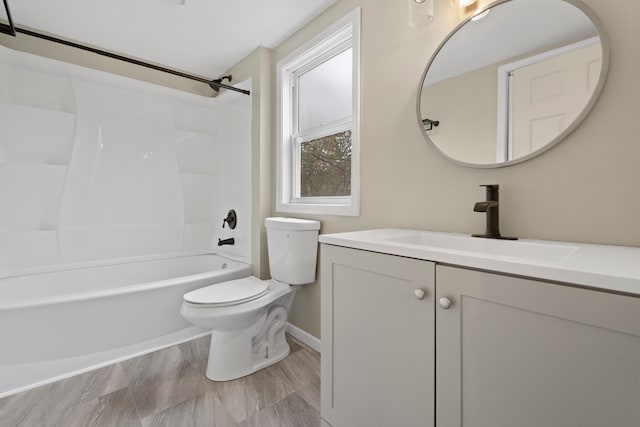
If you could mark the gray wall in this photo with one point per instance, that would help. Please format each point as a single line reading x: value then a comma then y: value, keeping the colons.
x: 586, y: 189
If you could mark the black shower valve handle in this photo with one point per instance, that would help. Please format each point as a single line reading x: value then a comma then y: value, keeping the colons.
x: 231, y: 219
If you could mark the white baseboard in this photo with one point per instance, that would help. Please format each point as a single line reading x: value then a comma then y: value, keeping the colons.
x: 303, y: 336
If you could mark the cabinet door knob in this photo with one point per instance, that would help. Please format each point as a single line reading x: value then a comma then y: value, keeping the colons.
x: 444, y: 303
x: 419, y: 293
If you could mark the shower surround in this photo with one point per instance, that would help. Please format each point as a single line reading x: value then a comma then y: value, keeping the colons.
x: 98, y: 169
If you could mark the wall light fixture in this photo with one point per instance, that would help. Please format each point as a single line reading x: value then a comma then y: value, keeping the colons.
x: 462, y: 3
x: 420, y: 13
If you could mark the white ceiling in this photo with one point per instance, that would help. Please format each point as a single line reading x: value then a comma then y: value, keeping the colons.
x: 509, y: 30
x: 204, y: 37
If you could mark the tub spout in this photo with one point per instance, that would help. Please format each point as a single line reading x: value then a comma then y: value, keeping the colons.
x: 230, y: 241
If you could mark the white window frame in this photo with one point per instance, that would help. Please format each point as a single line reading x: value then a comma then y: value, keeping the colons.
x: 338, y: 37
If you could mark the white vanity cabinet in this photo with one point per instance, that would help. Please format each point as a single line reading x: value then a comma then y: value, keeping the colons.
x: 377, y: 339
x: 528, y: 353
x: 477, y: 349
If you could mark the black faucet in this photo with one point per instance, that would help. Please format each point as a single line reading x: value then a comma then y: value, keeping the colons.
x: 229, y: 241
x: 491, y: 208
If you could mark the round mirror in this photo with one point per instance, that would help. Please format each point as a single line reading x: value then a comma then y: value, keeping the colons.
x: 512, y: 81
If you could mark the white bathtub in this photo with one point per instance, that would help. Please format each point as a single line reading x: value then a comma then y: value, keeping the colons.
x: 57, y: 324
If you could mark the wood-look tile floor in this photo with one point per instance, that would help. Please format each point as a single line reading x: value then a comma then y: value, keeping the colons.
x: 169, y: 388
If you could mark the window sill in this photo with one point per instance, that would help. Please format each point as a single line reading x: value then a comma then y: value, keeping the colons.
x: 319, y: 209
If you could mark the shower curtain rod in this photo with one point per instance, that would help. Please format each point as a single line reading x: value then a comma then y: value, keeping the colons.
x: 7, y: 28
x: 215, y: 84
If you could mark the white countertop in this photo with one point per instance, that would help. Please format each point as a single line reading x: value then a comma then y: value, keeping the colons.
x: 611, y: 268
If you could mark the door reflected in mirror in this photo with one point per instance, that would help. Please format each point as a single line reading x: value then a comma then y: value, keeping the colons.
x: 510, y: 85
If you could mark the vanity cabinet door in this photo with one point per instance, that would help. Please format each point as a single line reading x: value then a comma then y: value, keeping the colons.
x: 377, y: 339
x: 516, y: 352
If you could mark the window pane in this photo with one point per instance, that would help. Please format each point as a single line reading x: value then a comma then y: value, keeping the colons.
x: 325, y: 166
x: 324, y: 92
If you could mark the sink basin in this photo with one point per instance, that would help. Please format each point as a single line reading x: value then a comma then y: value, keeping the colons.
x: 521, y: 249
x: 613, y: 268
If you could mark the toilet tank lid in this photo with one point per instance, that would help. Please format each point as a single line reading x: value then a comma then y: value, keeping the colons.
x: 281, y: 223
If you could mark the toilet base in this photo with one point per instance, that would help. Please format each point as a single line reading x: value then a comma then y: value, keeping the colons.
x: 236, y: 354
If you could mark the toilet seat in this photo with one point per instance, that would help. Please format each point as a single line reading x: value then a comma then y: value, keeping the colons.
x: 228, y: 293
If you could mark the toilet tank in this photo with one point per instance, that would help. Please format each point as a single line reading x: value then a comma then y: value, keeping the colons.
x: 293, y: 249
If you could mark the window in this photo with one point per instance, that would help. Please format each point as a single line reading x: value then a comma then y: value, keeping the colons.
x: 318, y: 123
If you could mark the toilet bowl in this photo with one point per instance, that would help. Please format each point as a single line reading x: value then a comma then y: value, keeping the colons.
x: 248, y: 316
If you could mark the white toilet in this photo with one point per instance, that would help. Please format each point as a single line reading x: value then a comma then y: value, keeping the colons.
x: 248, y: 316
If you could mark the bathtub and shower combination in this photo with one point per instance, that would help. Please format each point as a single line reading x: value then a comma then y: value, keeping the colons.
x: 113, y: 191
x: 63, y: 322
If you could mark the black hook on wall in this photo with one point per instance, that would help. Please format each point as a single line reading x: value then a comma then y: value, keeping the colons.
x: 429, y: 124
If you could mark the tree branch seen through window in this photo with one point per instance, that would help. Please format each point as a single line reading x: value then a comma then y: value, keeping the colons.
x: 326, y: 166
